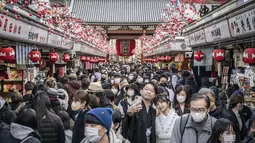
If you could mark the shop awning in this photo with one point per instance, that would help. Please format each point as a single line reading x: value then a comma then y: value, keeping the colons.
x: 119, y: 11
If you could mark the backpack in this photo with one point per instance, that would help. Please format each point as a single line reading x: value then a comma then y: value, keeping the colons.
x: 183, y: 123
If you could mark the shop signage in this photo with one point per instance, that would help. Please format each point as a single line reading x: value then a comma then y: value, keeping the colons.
x: 21, y: 31
x: 187, y: 40
x: 54, y: 40
x: 242, y: 24
x: 67, y: 43
x: 197, y: 38
x: 219, y: 31
x: 77, y: 47
x: 84, y: 48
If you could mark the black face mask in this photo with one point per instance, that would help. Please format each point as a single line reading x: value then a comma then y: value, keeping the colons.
x: 163, y: 84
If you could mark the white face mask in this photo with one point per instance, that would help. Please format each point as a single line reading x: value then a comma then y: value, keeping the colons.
x: 140, y: 80
x: 117, y: 80
x: 76, y: 105
x: 229, y: 138
x: 130, y: 93
x: 181, y: 99
x: 198, y: 117
x: 130, y: 77
x: 115, y: 91
x: 92, y: 134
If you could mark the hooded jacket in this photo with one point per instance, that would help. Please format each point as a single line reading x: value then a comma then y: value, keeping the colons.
x: 19, y: 133
x: 63, y: 98
x: 6, y: 114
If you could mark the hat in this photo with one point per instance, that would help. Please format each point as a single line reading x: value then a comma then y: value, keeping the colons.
x: 134, y: 86
x: 116, y: 74
x: 123, y: 83
x: 95, y: 87
x: 100, y: 116
x: 72, y: 76
x: 186, y: 73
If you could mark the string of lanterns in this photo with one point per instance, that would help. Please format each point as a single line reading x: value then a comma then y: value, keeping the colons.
x: 59, y: 15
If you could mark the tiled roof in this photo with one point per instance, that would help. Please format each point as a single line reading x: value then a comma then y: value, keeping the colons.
x: 119, y: 11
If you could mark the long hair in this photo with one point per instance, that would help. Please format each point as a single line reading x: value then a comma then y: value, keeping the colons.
x: 188, y: 95
x: 41, y: 104
x: 220, y: 126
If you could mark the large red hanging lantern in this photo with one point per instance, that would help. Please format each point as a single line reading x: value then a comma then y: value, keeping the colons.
x: 53, y: 56
x: 35, y: 56
x: 7, y: 54
x: 199, y: 55
x: 249, y: 56
x: 168, y: 58
x: 66, y: 57
x: 83, y: 59
x: 125, y: 47
x: 219, y: 55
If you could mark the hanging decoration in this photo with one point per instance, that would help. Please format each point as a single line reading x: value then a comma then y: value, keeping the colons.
x: 125, y: 47
x: 249, y: 56
x: 83, y: 59
x: 199, y: 55
x: 7, y: 54
x: 219, y: 55
x: 53, y: 56
x: 35, y: 56
x: 66, y: 57
x: 168, y: 58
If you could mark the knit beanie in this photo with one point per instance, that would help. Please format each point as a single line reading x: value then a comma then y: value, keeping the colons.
x: 100, y: 116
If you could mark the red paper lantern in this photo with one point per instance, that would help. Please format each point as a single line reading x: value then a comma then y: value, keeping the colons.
x: 249, y: 56
x: 66, y: 57
x: 53, y: 56
x: 35, y: 56
x: 7, y: 54
x: 199, y: 55
x: 125, y: 47
x: 168, y: 58
x: 83, y: 59
x: 219, y: 55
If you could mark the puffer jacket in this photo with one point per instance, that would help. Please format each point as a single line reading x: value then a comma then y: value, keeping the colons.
x: 24, y: 134
x: 4, y: 131
x: 52, y: 130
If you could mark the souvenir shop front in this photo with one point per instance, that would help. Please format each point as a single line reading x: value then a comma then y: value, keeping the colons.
x: 223, y: 47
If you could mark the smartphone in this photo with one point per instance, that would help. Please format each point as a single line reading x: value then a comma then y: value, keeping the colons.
x: 138, y: 100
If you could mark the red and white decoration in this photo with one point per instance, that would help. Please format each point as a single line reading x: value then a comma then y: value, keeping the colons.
x: 83, y: 59
x: 199, y: 55
x: 7, y: 54
x: 35, y: 56
x: 168, y: 58
x: 53, y: 56
x: 66, y: 57
x: 249, y: 56
x: 219, y: 55
x: 125, y: 47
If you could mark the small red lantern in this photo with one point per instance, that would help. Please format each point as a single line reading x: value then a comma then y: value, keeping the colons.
x: 168, y: 59
x: 83, y: 59
x: 199, y: 55
x: 7, y: 54
x: 249, y: 56
x: 53, y: 56
x: 35, y: 56
x: 219, y: 55
x: 66, y: 57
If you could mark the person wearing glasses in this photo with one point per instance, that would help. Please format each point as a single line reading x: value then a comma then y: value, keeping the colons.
x: 195, y: 127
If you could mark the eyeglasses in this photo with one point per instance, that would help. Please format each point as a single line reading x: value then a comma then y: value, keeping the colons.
x: 197, y: 110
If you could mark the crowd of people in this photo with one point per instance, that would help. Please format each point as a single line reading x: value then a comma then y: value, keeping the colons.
x: 126, y: 103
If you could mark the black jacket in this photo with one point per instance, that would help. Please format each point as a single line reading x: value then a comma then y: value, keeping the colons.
x: 249, y: 139
x: 104, y: 102
x: 52, y: 130
x: 6, y: 114
x: 78, y: 129
x: 4, y: 131
x: 220, y: 112
x: 19, y: 133
x: 243, y: 132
